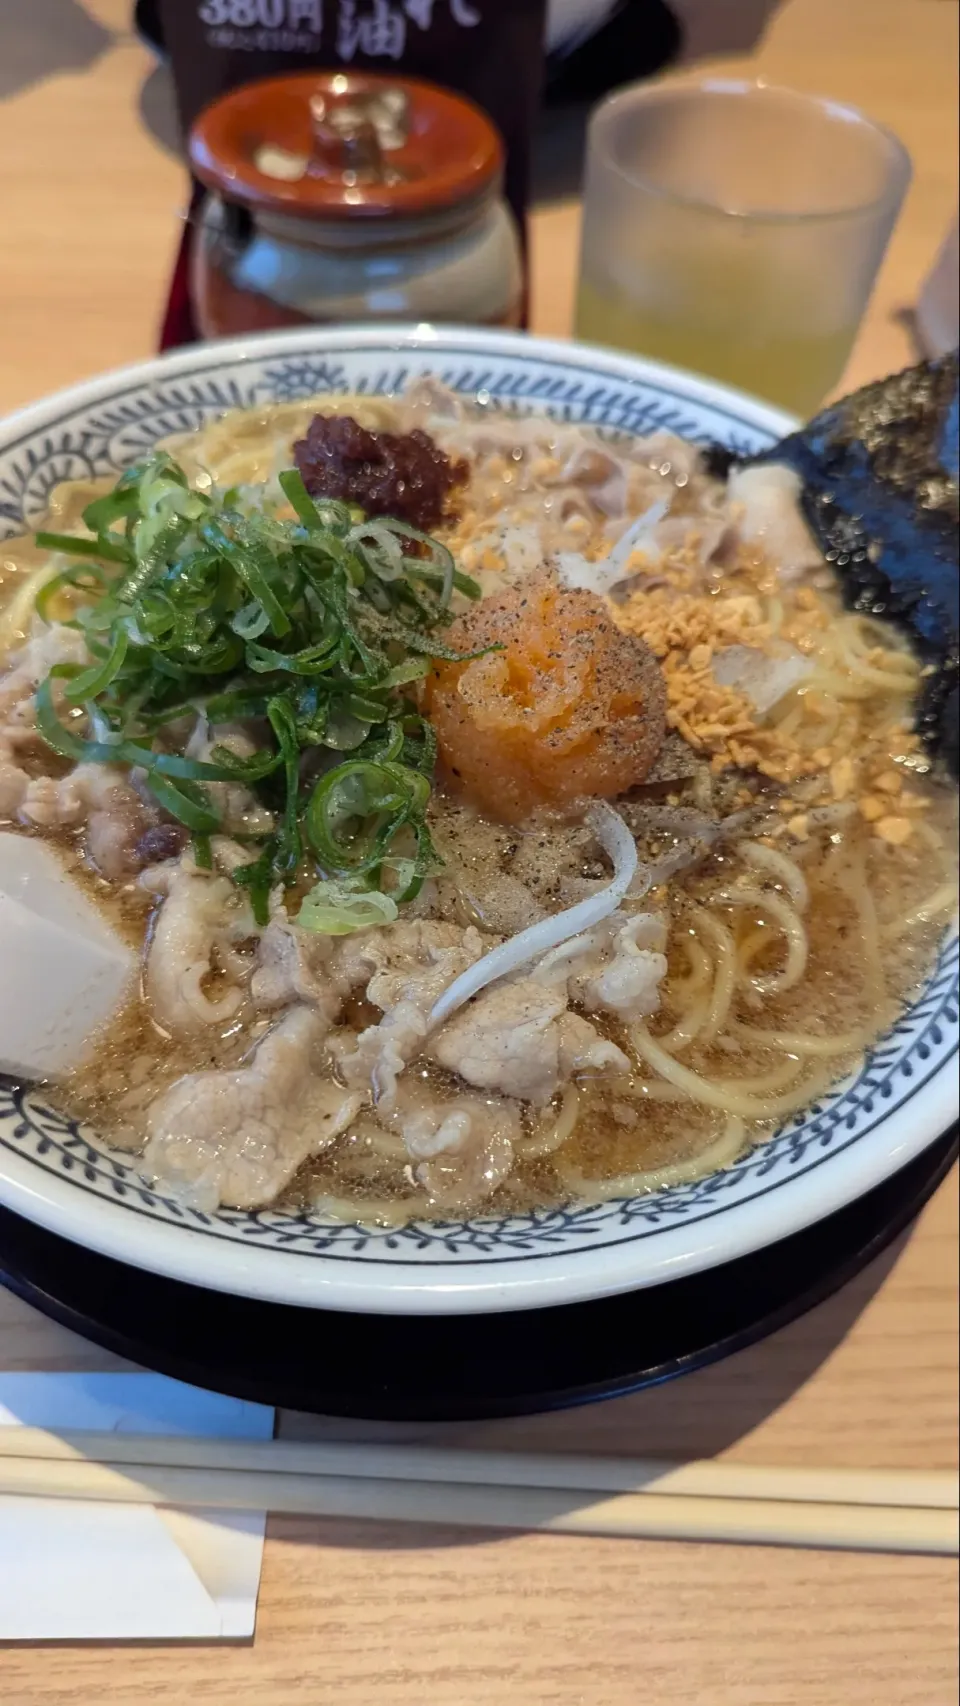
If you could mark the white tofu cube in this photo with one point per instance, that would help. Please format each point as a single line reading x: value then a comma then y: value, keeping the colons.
x: 63, y: 971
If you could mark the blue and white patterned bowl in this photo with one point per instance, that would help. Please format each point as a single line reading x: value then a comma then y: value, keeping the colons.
x: 63, y: 1177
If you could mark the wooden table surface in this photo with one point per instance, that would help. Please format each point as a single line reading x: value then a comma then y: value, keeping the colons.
x: 357, y: 1615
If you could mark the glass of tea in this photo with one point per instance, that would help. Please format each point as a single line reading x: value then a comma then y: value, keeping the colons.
x: 736, y: 229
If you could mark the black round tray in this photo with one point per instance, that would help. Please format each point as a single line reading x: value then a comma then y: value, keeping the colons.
x: 423, y: 1368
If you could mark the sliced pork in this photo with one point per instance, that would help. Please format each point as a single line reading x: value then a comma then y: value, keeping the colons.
x: 617, y: 967
x: 191, y: 970
x: 418, y: 963
x: 237, y: 1137
x: 518, y: 1039
x: 462, y: 1148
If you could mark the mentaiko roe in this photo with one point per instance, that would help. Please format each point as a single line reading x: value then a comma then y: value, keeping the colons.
x: 570, y: 708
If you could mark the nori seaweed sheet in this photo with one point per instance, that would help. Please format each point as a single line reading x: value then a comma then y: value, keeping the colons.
x: 882, y: 498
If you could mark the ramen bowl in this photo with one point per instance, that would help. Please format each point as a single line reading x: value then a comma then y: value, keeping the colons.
x: 63, y: 1176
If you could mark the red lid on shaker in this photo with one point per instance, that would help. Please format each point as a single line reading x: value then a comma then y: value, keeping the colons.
x: 345, y: 145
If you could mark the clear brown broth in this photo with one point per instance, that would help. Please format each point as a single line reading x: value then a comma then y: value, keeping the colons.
x: 622, y: 1128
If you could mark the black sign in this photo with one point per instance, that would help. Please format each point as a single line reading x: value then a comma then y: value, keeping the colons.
x: 490, y: 50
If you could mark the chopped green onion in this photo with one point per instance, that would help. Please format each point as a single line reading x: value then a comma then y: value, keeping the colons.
x: 258, y: 878
x: 313, y: 660
x: 342, y: 731
x: 76, y: 546
x: 74, y: 578
x: 357, y: 810
x: 185, y: 802
x: 294, y: 490
x: 283, y: 723
x: 250, y: 564
x: 55, y: 733
x: 337, y: 908
x: 463, y: 583
x: 366, y: 710
x: 307, y: 630
x: 250, y: 622
x: 90, y: 682
x: 413, y: 670
x: 384, y: 746
x: 103, y: 513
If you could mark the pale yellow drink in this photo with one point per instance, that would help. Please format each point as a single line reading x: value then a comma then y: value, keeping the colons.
x: 793, y: 366
x: 735, y: 230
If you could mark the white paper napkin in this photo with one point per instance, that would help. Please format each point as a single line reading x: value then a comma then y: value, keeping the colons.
x: 75, y: 1571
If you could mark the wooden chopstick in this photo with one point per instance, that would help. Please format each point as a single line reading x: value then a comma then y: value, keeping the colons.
x: 544, y: 1509
x: 37, y: 1464
x: 931, y: 1490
